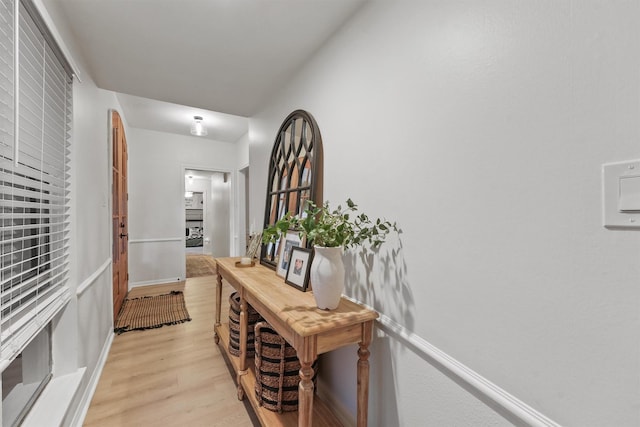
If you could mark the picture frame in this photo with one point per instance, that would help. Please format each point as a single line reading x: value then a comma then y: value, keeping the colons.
x: 255, y: 241
x: 299, y: 267
x: 287, y: 243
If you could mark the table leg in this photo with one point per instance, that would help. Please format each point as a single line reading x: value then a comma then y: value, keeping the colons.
x: 363, y: 374
x: 242, y: 358
x: 218, y: 306
x: 305, y: 398
x: 306, y: 355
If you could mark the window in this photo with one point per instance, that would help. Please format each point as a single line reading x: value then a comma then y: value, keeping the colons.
x: 35, y: 120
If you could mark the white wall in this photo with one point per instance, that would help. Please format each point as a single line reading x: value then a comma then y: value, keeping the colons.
x: 84, y: 329
x: 156, y: 199
x: 481, y: 128
x: 92, y: 249
x: 219, y: 208
x: 242, y: 198
x: 242, y: 147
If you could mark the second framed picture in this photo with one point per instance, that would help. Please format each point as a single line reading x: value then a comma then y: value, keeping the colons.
x: 299, y: 266
x: 287, y: 243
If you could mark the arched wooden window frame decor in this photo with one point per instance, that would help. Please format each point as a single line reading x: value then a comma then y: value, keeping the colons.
x: 295, y: 174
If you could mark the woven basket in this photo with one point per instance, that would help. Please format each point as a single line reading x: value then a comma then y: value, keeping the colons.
x: 277, y: 370
x: 234, y: 326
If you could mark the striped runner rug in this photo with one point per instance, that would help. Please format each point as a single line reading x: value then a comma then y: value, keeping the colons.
x: 152, y: 312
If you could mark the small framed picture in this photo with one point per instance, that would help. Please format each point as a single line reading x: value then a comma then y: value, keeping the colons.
x: 287, y: 243
x: 299, y: 266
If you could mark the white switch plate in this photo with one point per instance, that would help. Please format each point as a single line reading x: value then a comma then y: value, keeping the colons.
x: 629, y: 194
x: 617, y: 207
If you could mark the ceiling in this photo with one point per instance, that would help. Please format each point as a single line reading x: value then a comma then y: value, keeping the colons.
x: 225, y: 56
x: 163, y: 116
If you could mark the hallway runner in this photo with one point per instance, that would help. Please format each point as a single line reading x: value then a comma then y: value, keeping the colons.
x: 200, y: 265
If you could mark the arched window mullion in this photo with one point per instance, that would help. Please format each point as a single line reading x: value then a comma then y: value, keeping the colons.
x: 294, y: 173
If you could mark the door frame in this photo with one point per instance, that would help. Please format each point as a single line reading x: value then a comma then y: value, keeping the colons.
x: 110, y: 112
x: 232, y: 204
x: 244, y: 229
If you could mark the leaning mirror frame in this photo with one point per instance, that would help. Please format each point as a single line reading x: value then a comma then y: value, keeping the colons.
x: 295, y: 174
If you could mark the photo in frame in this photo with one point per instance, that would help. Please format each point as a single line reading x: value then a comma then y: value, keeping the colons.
x: 287, y: 243
x: 255, y: 240
x: 299, y: 267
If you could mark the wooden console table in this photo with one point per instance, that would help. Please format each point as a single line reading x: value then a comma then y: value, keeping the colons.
x: 309, y: 330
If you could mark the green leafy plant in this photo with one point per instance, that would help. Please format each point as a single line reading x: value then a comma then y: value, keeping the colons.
x: 332, y: 228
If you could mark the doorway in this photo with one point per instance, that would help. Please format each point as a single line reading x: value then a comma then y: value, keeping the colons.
x: 194, y: 225
x: 208, y: 212
x: 244, y: 229
x: 120, y: 228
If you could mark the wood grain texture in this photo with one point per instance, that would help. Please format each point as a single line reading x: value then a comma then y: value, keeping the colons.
x: 171, y: 376
x: 296, y: 318
x: 119, y: 218
x: 296, y: 309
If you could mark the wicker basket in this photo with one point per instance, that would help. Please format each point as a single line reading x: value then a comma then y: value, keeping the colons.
x: 234, y: 326
x: 277, y: 370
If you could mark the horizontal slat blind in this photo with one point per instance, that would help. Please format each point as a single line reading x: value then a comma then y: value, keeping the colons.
x: 34, y: 263
x: 6, y: 81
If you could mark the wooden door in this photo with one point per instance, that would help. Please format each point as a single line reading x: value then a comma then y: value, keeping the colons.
x: 119, y: 215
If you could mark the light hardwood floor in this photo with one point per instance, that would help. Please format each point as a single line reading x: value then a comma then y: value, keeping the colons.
x: 170, y: 376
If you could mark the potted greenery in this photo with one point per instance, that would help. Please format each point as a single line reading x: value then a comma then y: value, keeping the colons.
x: 330, y: 231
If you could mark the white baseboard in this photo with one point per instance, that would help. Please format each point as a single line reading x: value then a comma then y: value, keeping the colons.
x: 83, y: 407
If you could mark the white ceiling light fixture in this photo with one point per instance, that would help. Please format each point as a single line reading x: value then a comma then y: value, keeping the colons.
x: 197, y: 128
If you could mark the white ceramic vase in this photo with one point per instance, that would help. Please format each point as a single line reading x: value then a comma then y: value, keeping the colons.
x: 327, y: 276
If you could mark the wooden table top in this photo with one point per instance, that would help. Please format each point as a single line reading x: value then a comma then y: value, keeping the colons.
x: 297, y: 309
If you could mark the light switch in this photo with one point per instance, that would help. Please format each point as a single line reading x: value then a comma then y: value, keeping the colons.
x: 629, y: 196
x: 621, y: 195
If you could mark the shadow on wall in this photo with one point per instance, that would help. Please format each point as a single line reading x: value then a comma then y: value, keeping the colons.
x: 378, y: 278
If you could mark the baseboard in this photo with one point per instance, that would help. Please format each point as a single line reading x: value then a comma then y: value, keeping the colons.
x: 337, y: 407
x: 155, y: 282
x: 83, y: 407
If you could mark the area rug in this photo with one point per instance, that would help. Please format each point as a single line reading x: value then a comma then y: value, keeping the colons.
x: 200, y: 265
x: 152, y: 312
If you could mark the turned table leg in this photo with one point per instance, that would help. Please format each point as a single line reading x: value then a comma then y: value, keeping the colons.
x: 305, y: 398
x: 243, y: 343
x: 218, y: 306
x: 363, y: 374
x: 306, y: 355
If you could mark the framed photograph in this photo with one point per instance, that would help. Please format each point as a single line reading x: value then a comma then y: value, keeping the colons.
x: 254, y: 245
x: 299, y: 266
x: 287, y: 243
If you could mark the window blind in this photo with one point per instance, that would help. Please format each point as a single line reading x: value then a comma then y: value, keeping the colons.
x: 34, y: 178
